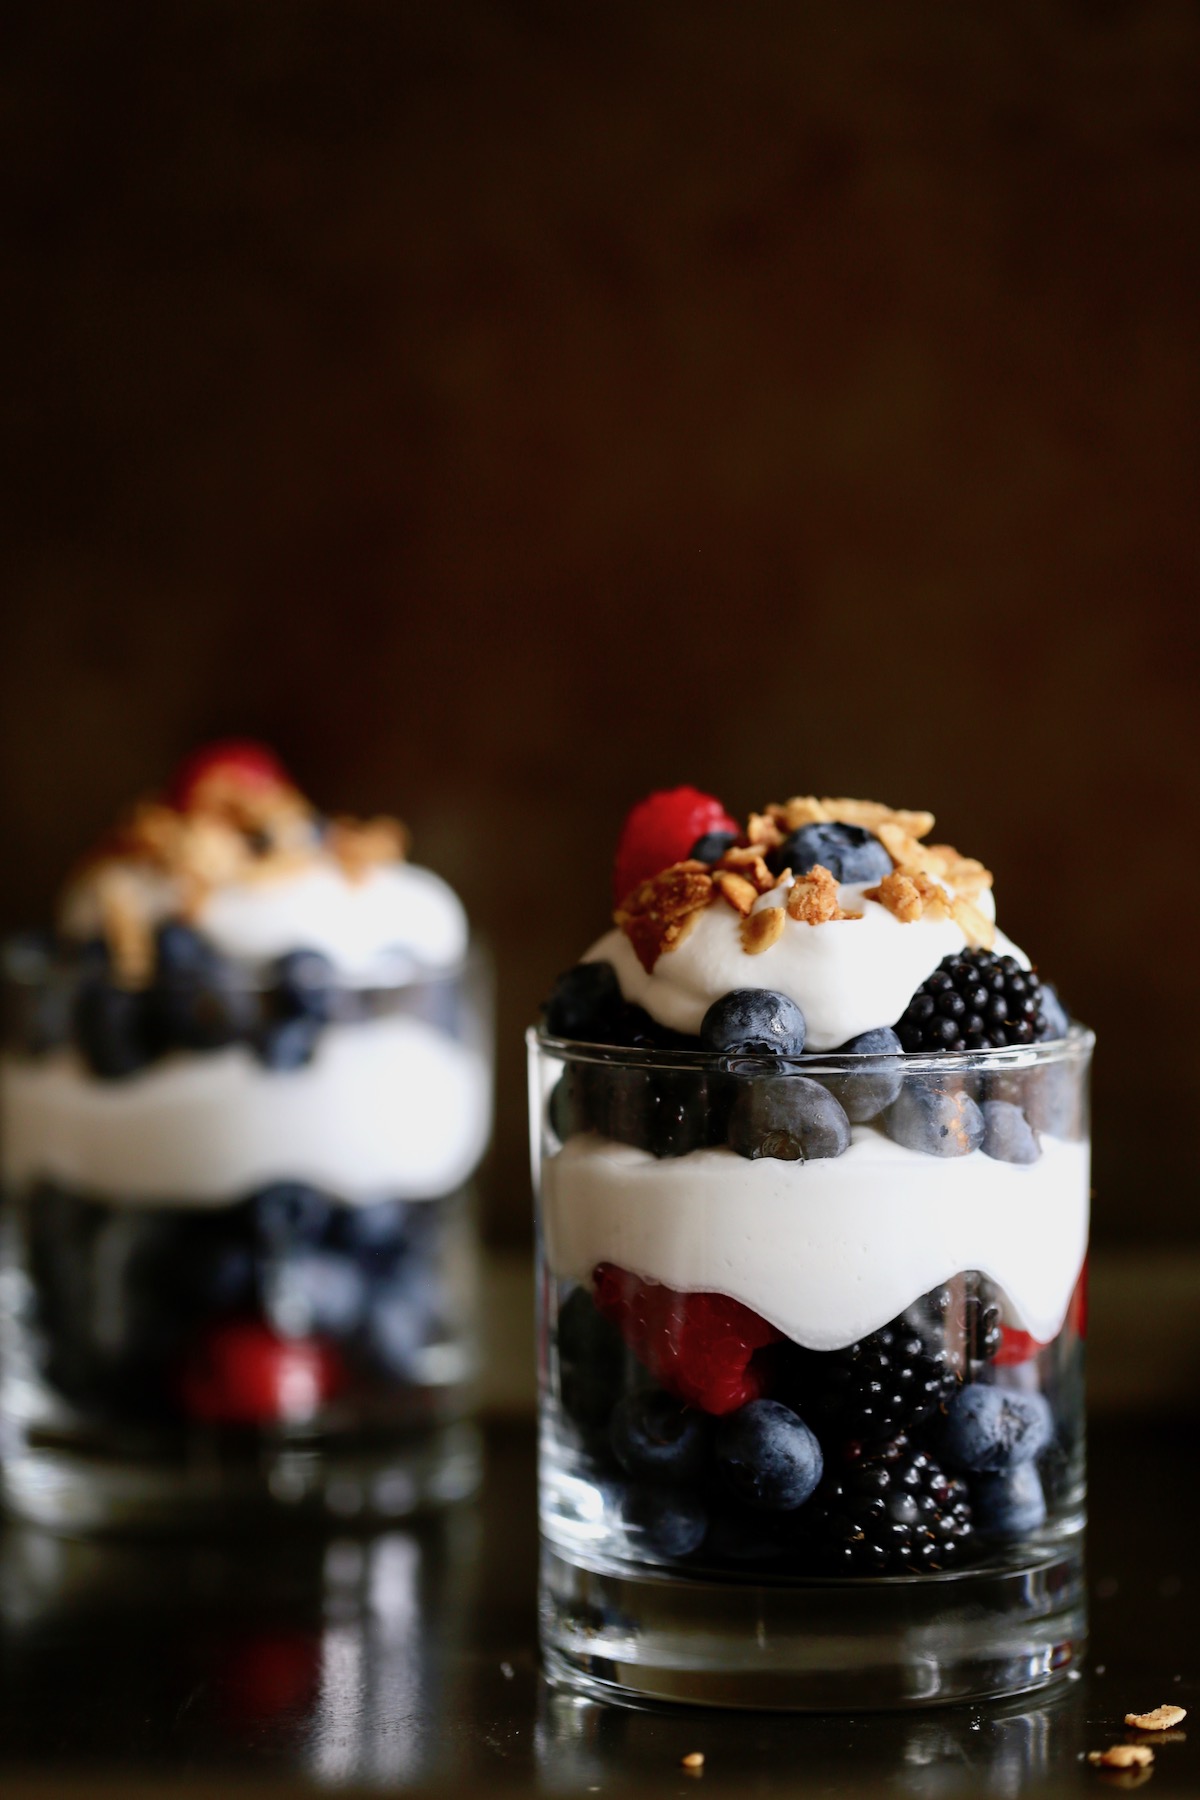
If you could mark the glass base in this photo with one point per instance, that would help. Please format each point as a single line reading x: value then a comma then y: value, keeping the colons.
x: 625, y: 1634
x: 104, y: 1488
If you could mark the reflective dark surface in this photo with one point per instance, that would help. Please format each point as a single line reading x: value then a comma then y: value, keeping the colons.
x: 407, y: 1661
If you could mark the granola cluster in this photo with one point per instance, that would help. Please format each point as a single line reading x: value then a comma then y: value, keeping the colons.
x: 232, y: 829
x: 927, y: 881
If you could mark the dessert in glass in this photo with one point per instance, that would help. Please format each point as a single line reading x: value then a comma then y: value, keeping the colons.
x: 246, y: 1083
x: 810, y: 1147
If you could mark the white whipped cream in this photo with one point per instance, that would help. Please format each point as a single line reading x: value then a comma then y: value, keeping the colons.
x: 387, y: 1108
x: 846, y: 976
x: 827, y: 1251
x: 398, y: 914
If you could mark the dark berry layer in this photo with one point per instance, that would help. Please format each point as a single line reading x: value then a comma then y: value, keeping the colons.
x: 717, y: 1441
x: 167, y: 1314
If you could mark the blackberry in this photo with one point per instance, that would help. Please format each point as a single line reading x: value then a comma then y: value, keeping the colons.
x: 974, y: 1001
x: 887, y: 1383
x: 891, y: 1512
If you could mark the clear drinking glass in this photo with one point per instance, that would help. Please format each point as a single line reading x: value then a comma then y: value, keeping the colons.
x: 243, y: 1274
x: 811, y: 1372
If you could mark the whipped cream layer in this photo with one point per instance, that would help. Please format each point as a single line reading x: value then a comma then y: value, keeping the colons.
x: 846, y: 976
x: 378, y: 927
x: 827, y: 1251
x: 389, y: 1108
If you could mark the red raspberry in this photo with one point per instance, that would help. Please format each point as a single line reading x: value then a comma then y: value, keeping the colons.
x: 233, y: 762
x: 660, y: 830
x: 1015, y: 1347
x: 1018, y: 1347
x: 242, y: 1374
x: 269, y: 1673
x: 700, y: 1347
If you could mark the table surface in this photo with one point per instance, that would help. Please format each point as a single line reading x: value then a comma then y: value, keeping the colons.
x: 407, y: 1661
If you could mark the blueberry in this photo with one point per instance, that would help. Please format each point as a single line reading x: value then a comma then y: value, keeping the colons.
x: 936, y: 1120
x: 113, y: 1028
x: 655, y: 1438
x: 199, y: 1002
x: 182, y: 951
x: 789, y: 1117
x: 712, y: 846
x: 1007, y: 1135
x: 287, y: 1044
x: 1009, y: 1505
x: 585, y: 1004
x: 570, y: 1106
x: 304, y: 983
x: 402, y: 1322
x: 586, y: 1336
x: 39, y: 995
x: 849, y: 852
x: 1054, y: 1100
x: 1058, y: 1019
x: 995, y: 1429
x: 864, y: 1095
x: 222, y: 1277
x: 662, y: 1522
x: 317, y: 1290
x: 750, y: 1021
x: 767, y: 1456
x: 290, y: 1213
x: 591, y: 1360
x: 664, y: 1111
x: 382, y: 1228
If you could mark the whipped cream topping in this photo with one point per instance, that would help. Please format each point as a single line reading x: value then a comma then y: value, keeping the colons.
x: 827, y: 1251
x: 847, y: 975
x: 388, y: 1108
x: 393, y: 917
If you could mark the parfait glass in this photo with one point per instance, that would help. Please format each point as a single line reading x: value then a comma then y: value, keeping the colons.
x: 810, y: 1349
x: 238, y: 1279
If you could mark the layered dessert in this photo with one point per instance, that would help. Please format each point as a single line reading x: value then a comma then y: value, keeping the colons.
x: 246, y: 1083
x: 814, y: 1186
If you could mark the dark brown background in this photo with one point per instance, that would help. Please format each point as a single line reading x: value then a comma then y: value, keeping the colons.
x: 507, y: 408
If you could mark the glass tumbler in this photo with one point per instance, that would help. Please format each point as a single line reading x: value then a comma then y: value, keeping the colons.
x: 811, y: 1372
x: 242, y: 1275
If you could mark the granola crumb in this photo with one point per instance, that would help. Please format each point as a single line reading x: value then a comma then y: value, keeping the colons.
x: 763, y: 832
x: 740, y: 893
x: 976, y: 927
x: 746, y: 860
x: 898, y: 892
x: 806, y: 809
x: 901, y: 845
x: 1163, y: 1718
x: 127, y: 932
x: 762, y: 929
x: 359, y: 845
x: 813, y: 899
x: 660, y: 912
x: 1122, y: 1756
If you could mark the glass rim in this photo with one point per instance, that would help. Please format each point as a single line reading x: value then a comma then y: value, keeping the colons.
x: 1075, y: 1047
x: 63, y: 964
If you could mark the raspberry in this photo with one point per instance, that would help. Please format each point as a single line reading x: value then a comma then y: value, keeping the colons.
x: 242, y: 1374
x: 1015, y: 1347
x: 233, y: 762
x: 700, y: 1347
x: 661, y: 830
